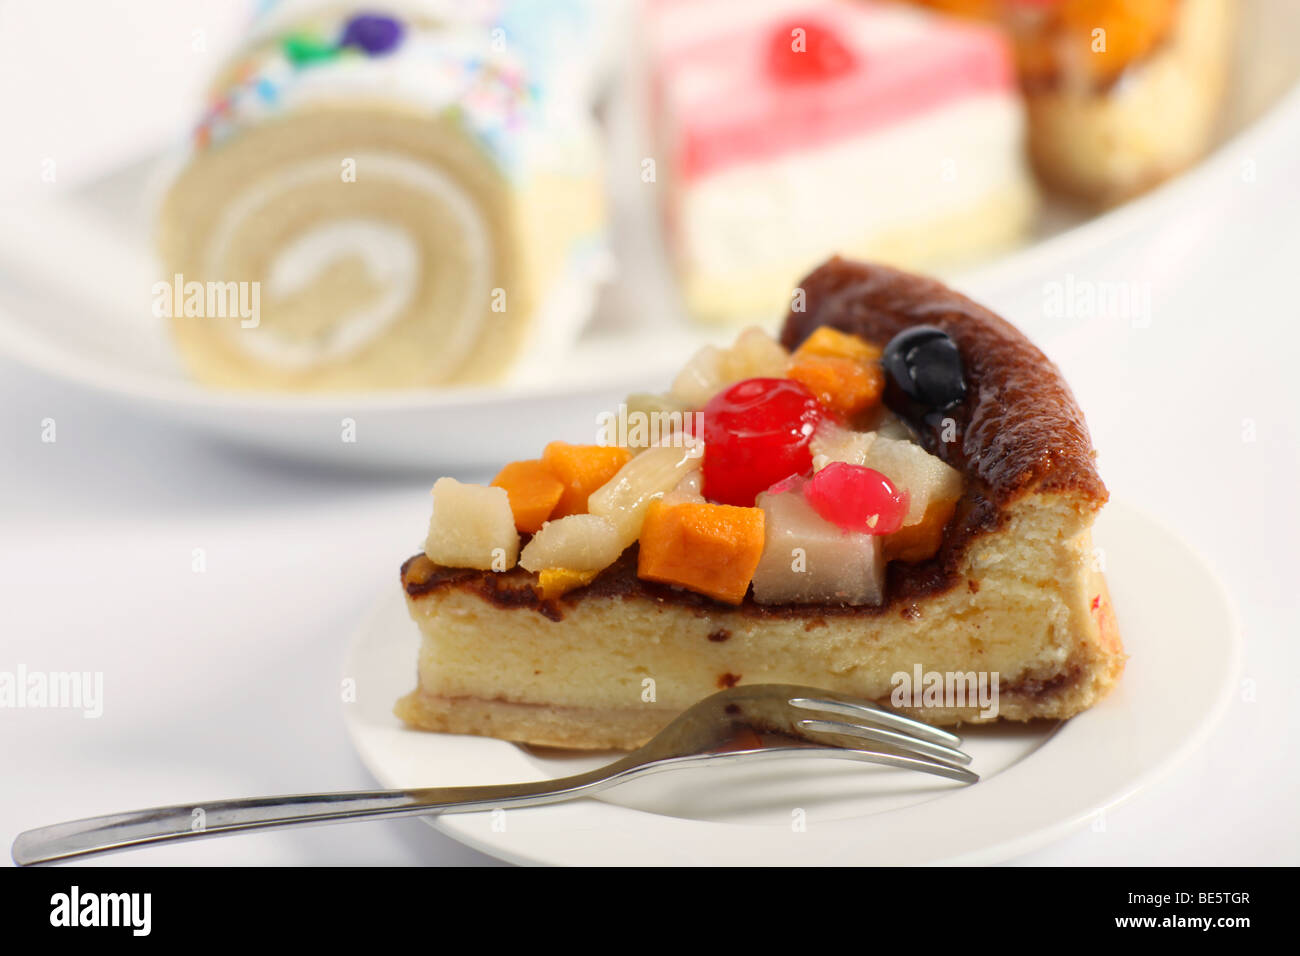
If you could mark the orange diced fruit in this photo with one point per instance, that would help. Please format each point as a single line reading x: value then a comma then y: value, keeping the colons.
x: 533, y: 492
x: 554, y: 582
x: 846, y: 386
x: 832, y: 343
x: 919, y: 541
x: 581, y: 469
x: 708, y: 548
x: 842, y: 370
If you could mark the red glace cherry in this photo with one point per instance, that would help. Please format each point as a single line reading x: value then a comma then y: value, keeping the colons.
x: 856, y: 498
x: 755, y: 433
x: 801, y: 51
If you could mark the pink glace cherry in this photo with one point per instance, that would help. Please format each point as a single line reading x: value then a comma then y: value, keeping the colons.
x: 856, y: 498
x: 756, y: 433
x: 801, y: 51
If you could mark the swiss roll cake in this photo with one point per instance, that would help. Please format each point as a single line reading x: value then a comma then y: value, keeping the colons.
x: 411, y: 190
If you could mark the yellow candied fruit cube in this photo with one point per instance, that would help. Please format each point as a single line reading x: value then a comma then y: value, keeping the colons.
x: 554, y: 582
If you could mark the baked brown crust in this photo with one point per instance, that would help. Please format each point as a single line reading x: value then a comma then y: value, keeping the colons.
x: 1019, y: 431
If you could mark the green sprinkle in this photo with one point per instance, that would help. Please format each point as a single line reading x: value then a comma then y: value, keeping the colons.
x: 302, y: 49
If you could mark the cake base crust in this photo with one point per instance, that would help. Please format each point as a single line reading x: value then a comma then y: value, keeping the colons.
x: 575, y: 728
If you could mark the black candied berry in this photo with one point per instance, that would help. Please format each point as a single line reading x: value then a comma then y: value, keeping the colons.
x: 924, y: 371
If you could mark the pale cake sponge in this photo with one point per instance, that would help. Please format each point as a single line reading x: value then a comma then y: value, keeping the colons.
x: 1030, y: 606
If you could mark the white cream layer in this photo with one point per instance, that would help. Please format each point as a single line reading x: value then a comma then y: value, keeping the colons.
x: 804, y: 205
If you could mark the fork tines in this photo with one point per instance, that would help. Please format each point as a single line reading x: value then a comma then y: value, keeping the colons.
x: 906, y: 743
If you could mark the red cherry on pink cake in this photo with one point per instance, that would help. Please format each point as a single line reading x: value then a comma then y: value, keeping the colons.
x: 756, y: 433
x: 802, y: 51
x: 856, y: 498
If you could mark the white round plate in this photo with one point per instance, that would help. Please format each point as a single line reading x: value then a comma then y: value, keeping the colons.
x: 1038, y: 781
x: 68, y: 267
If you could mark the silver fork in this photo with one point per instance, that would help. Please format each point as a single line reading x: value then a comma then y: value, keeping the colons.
x: 805, y: 722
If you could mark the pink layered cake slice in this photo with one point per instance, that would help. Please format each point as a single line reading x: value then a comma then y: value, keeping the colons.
x: 793, y: 130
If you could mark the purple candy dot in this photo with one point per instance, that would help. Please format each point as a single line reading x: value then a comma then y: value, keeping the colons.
x: 375, y: 34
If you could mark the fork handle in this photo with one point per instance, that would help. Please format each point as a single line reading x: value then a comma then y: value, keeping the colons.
x: 124, y: 831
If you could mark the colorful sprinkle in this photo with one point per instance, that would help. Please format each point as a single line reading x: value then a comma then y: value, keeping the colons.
x: 302, y: 49
x: 492, y: 95
x: 375, y: 34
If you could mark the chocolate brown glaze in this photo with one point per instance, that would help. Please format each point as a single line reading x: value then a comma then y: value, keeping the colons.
x: 1019, y: 430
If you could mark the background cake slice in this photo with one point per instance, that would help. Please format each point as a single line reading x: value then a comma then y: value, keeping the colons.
x: 1121, y: 93
x: 411, y: 200
x: 787, y: 131
x: 1011, y: 588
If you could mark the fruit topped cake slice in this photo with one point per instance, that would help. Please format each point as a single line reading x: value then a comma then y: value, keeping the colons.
x: 903, y: 486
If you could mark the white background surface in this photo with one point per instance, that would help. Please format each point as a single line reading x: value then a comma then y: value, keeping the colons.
x: 226, y: 683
